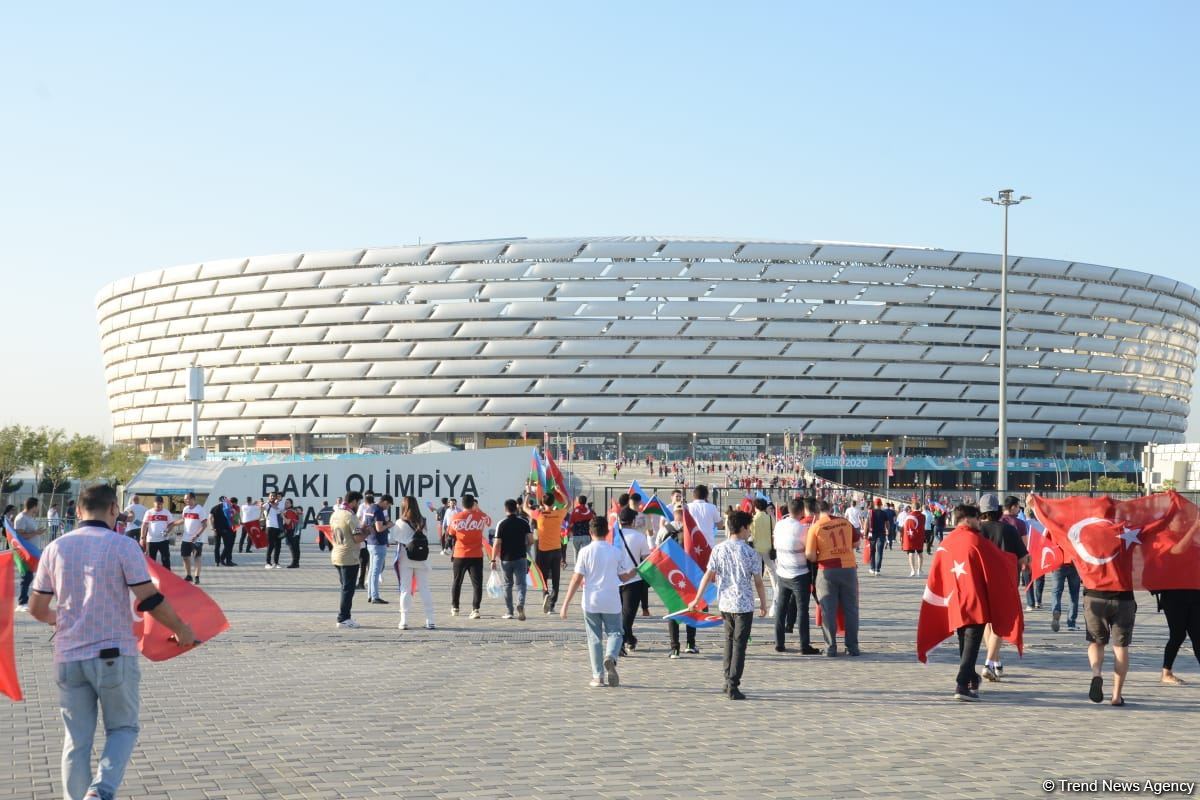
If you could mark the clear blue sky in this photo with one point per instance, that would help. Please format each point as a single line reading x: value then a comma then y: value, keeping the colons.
x: 142, y: 136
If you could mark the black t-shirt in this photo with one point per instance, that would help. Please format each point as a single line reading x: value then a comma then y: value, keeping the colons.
x: 1006, y: 537
x: 511, y: 536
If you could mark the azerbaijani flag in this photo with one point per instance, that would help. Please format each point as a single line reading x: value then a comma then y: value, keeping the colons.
x: 26, y: 554
x: 674, y: 577
x: 636, y: 490
x: 658, y: 507
x: 534, y: 578
x: 537, y: 472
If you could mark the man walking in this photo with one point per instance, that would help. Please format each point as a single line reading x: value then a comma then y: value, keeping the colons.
x: 578, y: 521
x: 26, y: 524
x: 467, y: 528
x: 221, y: 516
x: 830, y: 543
x: 379, y: 531
x: 631, y: 550
x: 737, y: 570
x: 89, y: 574
x: 134, y: 512
x: 323, y: 521
x: 790, y: 537
x: 156, y: 532
x: 597, y: 572
x: 195, y: 523
x: 549, y: 522
x: 1008, y: 539
x: 877, y: 524
x: 510, y: 553
x: 347, y: 536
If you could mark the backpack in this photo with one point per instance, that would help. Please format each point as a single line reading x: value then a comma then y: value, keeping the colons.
x: 418, y: 548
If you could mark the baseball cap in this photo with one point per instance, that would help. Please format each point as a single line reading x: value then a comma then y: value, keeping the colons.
x: 988, y: 503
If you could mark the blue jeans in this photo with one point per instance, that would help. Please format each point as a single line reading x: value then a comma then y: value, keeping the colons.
x: 1068, y: 576
x: 1033, y: 595
x: 113, y: 682
x: 378, y: 556
x: 608, y: 626
x: 877, y: 545
x: 514, y: 574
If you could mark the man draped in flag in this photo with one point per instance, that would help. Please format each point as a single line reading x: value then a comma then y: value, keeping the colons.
x: 970, y: 585
x: 1098, y: 535
x: 89, y: 574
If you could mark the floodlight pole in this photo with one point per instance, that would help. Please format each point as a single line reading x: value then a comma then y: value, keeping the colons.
x: 1004, y: 198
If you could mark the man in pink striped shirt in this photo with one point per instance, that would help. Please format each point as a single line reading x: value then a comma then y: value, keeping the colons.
x: 90, y: 574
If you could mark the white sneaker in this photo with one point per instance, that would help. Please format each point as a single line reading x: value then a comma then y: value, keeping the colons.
x: 349, y: 624
x: 506, y: 616
x: 403, y: 626
x: 23, y: 609
x: 268, y: 567
x: 595, y: 683
x: 429, y: 626
x: 454, y: 612
x: 474, y: 613
x: 912, y: 573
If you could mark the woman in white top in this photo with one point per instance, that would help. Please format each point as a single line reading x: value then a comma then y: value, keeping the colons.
x: 408, y: 569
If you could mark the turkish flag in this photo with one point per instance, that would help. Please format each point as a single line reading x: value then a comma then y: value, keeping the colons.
x: 191, y: 604
x: 866, y: 552
x: 258, y: 537
x: 10, y: 684
x: 1091, y: 538
x: 695, y: 543
x: 1170, y: 551
x: 970, y: 583
x: 914, y: 533
x: 1044, y: 555
x: 841, y: 619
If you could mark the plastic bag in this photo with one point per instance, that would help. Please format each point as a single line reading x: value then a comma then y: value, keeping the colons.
x: 495, y: 586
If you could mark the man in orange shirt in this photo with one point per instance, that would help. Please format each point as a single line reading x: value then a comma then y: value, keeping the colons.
x: 549, y: 522
x: 830, y: 543
x: 467, y: 527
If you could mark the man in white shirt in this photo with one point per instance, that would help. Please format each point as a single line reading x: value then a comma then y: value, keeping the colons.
x: 274, y: 514
x: 134, y: 513
x: 854, y: 515
x: 597, y: 571
x: 632, y: 547
x: 156, y: 532
x: 195, y: 523
x: 707, y: 516
x: 794, y: 577
x: 251, y: 523
x: 26, y: 524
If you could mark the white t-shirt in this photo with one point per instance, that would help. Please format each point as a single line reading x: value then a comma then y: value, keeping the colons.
x: 137, y: 512
x: 251, y: 513
x: 788, y: 540
x: 854, y: 515
x: 639, y: 545
x: 194, y: 520
x: 27, y: 526
x: 707, y: 516
x: 597, y: 563
x: 156, y: 524
x: 273, y: 515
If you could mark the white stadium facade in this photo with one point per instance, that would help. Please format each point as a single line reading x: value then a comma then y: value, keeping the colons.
x: 837, y: 352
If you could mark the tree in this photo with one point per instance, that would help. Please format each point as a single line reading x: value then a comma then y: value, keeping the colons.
x: 1107, y: 484
x: 12, y: 456
x: 1081, y: 485
x: 121, y: 462
x: 84, y: 455
x: 55, y: 467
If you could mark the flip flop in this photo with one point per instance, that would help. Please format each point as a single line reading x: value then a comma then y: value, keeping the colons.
x: 1119, y: 701
x: 1096, y: 692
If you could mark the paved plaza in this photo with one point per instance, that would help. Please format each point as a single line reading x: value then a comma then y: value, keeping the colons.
x: 284, y: 705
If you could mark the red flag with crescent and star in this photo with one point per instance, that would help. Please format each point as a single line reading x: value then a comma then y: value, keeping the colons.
x: 970, y: 583
x: 1044, y: 555
x: 695, y: 542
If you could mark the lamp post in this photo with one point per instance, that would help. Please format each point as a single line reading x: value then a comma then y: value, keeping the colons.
x: 693, y: 460
x: 1004, y: 198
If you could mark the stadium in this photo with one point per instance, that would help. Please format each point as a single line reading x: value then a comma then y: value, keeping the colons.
x: 836, y: 353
